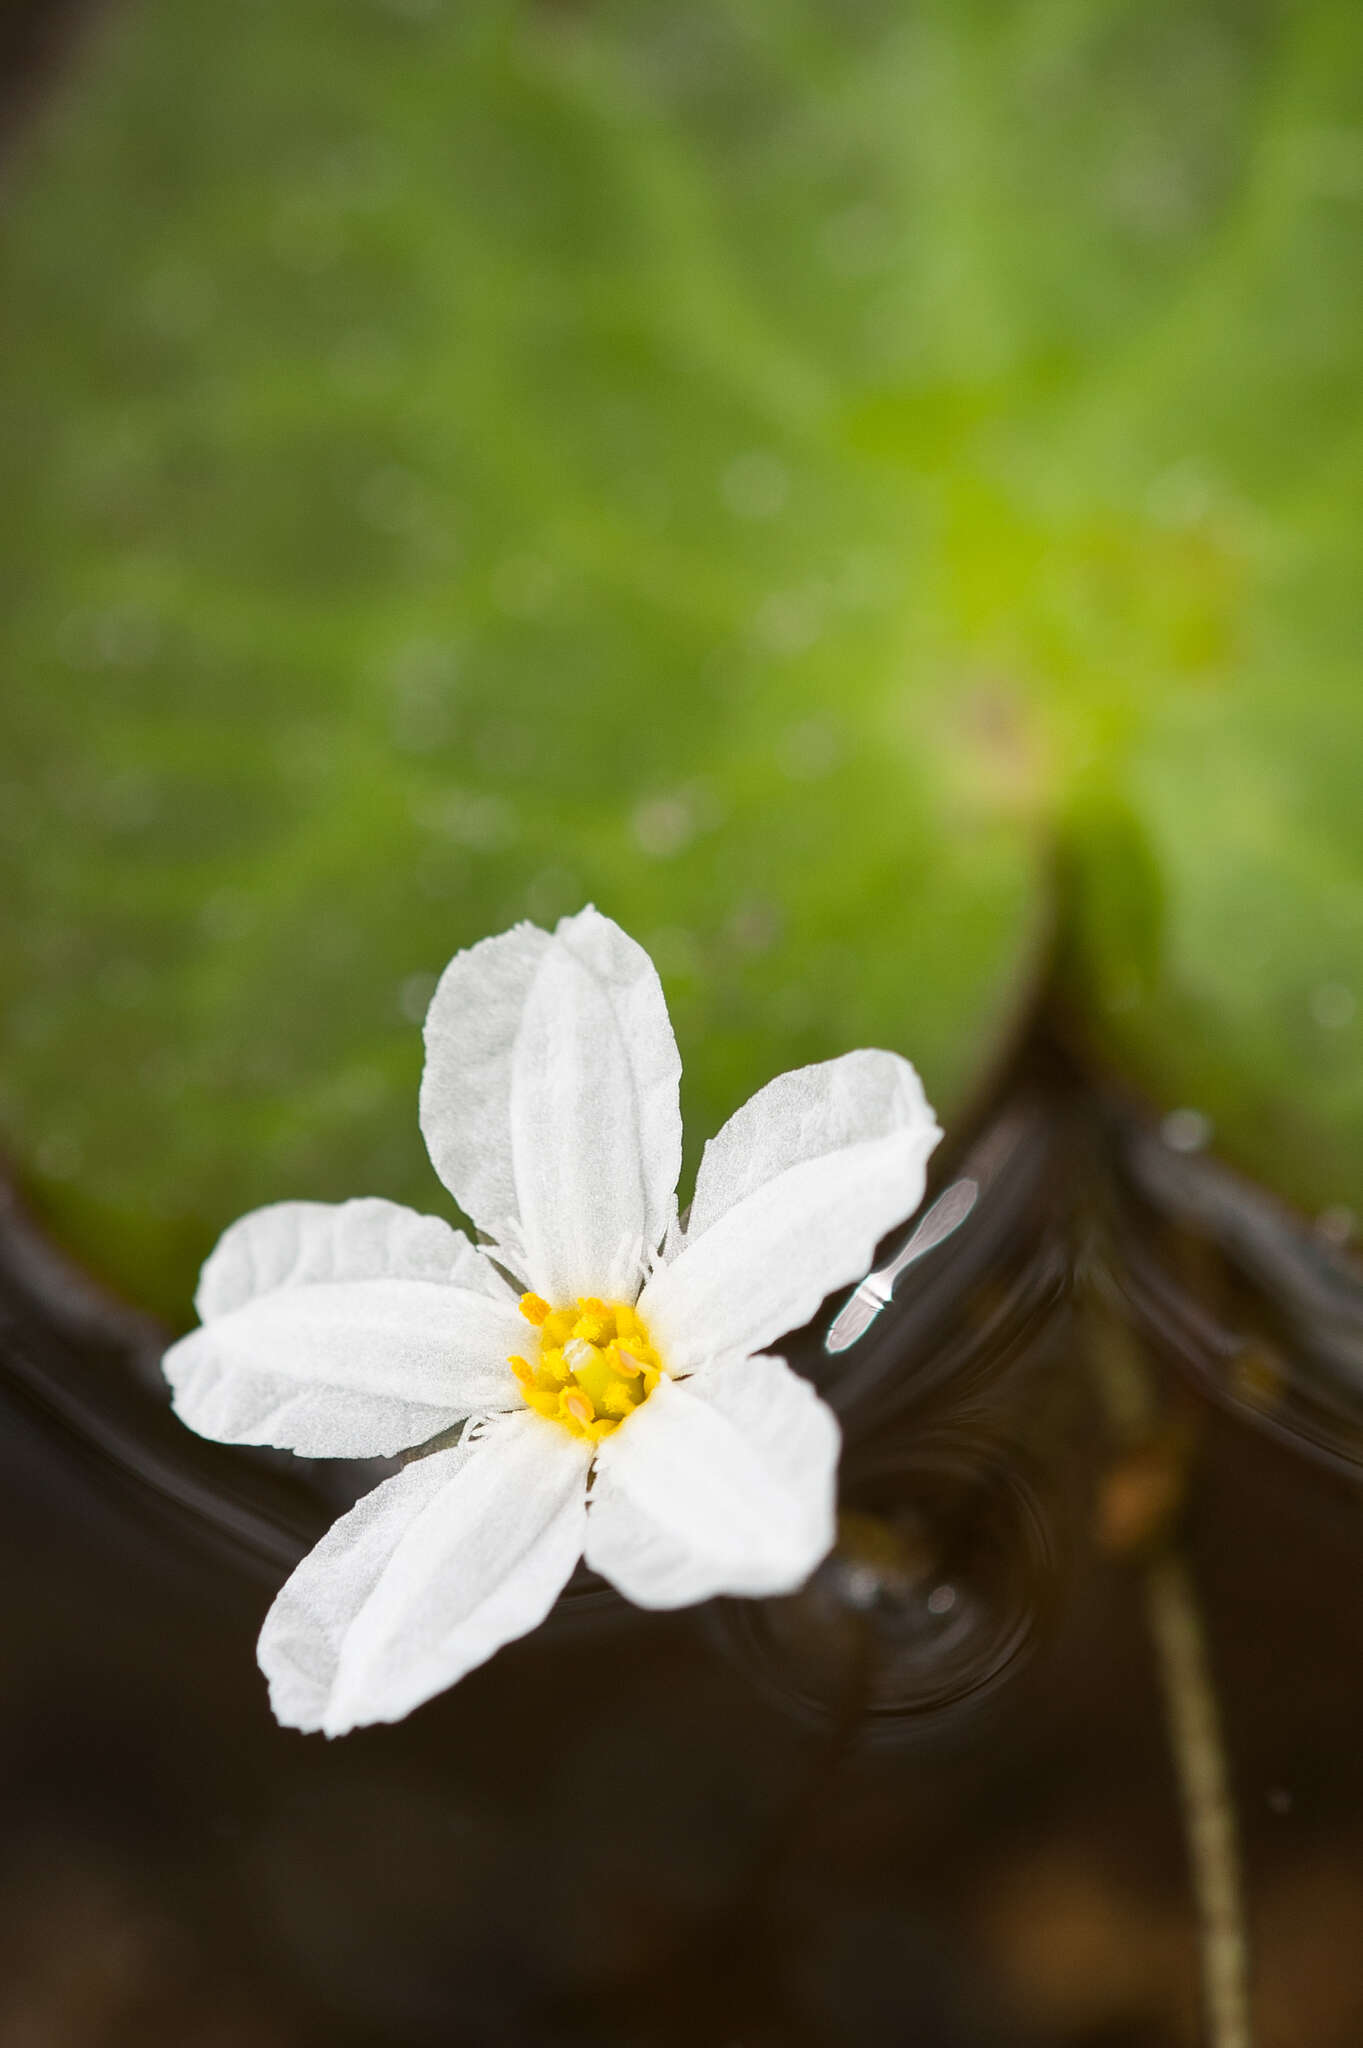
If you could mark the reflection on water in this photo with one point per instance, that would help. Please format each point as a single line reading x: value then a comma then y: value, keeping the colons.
x: 936, y: 1587
x: 929, y: 1798
x: 1264, y: 1308
x: 872, y: 1297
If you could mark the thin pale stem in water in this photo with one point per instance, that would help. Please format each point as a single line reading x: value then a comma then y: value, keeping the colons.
x: 1192, y: 1714
x: 1209, y: 1814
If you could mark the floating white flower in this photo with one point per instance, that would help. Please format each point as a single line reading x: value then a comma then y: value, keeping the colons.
x: 621, y: 1409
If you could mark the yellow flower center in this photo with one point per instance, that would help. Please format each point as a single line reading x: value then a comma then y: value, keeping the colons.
x: 594, y: 1366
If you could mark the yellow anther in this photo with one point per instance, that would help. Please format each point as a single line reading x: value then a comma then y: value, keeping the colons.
x: 622, y: 1362
x: 523, y: 1370
x: 576, y: 1404
x: 534, y: 1308
x: 557, y: 1326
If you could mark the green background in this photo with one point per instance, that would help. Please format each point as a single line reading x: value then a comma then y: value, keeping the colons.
x: 868, y: 494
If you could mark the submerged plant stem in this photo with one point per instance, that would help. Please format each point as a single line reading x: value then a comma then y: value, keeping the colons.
x: 1194, y: 1722
x: 1192, y: 1713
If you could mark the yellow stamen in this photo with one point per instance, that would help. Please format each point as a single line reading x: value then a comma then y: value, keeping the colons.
x: 557, y: 1327
x: 594, y: 1364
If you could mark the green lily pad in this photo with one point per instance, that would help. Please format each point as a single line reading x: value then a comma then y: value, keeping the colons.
x: 1218, y: 954
x: 789, y: 476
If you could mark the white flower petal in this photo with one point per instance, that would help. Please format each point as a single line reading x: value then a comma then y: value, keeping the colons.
x: 347, y: 1368
x: 549, y: 1101
x: 459, y: 1553
x: 595, y: 1120
x: 471, y: 1030
x: 726, y: 1484
x: 807, y: 1114
x: 295, y: 1244
x: 791, y: 1200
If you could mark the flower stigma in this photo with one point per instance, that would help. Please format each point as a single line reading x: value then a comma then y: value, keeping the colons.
x: 595, y: 1365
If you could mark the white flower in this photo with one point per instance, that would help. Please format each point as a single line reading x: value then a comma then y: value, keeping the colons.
x: 622, y: 1410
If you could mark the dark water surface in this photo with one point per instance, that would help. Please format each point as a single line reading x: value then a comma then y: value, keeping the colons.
x: 932, y: 1799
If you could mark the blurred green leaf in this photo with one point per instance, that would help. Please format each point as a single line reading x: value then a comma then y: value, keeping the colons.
x: 791, y: 475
